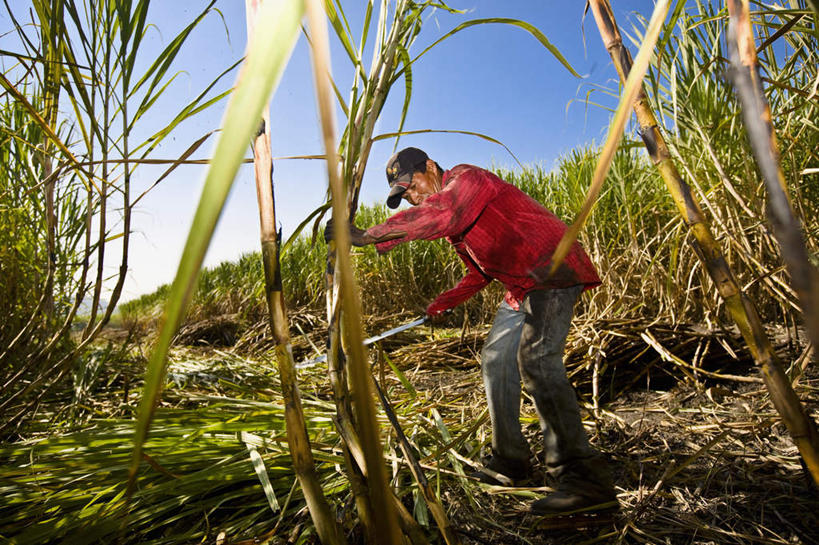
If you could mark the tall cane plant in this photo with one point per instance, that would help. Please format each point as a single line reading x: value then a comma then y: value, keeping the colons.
x: 740, y: 307
x: 267, y: 55
x: 82, y: 57
x: 786, y: 225
x: 397, y: 28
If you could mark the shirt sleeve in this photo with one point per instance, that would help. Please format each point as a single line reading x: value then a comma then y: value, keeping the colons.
x: 469, y: 285
x: 450, y: 212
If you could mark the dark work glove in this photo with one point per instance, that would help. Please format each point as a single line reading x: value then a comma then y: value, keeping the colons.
x: 329, y: 231
x: 358, y: 237
x: 439, y: 318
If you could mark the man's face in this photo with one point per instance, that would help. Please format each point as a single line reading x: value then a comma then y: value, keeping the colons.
x: 423, y: 185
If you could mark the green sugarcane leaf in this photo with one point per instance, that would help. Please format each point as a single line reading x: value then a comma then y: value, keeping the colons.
x: 403, y: 56
x: 52, y: 136
x: 138, y: 22
x: 156, y: 72
x: 340, y: 98
x: 297, y: 232
x: 448, y: 131
x: 258, y: 466
x: 194, y: 107
x: 679, y: 9
x: 419, y: 508
x: 267, y: 57
x: 441, y: 425
x: 347, y: 28
x: 401, y: 377
x: 187, y: 153
x: 83, y: 102
x: 150, y: 99
x: 341, y: 33
x: 533, y: 30
x: 365, y: 32
x: 75, y: 84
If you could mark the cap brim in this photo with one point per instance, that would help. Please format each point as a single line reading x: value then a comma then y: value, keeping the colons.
x: 394, y: 198
x: 400, y: 185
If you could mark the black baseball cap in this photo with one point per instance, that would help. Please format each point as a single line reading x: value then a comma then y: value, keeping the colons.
x: 400, y: 169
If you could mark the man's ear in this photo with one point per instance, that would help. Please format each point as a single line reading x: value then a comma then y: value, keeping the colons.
x: 438, y: 177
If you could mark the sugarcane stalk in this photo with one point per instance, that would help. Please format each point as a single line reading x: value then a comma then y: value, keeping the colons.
x: 740, y: 307
x: 336, y: 370
x: 51, y: 96
x: 354, y: 465
x: 756, y: 112
x: 363, y: 110
x: 386, y: 522
x: 409, y: 525
x: 327, y: 528
x: 116, y: 292
x: 297, y: 438
x: 101, y: 236
x: 95, y: 326
x: 435, y: 507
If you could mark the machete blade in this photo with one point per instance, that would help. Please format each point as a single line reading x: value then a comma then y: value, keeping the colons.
x: 369, y: 341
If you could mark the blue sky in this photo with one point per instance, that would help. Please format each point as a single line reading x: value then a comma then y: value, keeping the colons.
x: 492, y: 79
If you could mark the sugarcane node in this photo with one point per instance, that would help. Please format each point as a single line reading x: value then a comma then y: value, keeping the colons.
x: 277, y: 276
x: 625, y: 62
x: 606, y: 19
x: 649, y: 136
x: 262, y: 127
x: 692, y: 208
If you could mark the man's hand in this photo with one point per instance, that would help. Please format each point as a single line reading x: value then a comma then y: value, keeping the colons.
x: 358, y: 237
x: 438, y: 318
x: 436, y: 314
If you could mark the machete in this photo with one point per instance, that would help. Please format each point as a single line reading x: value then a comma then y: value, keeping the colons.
x: 371, y: 340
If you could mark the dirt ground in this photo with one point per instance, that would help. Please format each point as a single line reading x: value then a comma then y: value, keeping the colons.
x: 695, y: 459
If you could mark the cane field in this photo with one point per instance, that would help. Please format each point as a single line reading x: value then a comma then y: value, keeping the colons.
x: 199, y: 413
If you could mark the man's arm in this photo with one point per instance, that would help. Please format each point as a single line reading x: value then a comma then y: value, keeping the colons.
x: 362, y: 237
x: 469, y: 285
x: 474, y: 281
x: 449, y: 212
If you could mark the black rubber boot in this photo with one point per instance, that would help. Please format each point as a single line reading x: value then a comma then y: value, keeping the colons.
x: 583, y: 486
x: 576, y: 501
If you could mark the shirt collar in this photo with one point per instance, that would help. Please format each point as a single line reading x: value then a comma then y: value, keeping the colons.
x: 445, y: 179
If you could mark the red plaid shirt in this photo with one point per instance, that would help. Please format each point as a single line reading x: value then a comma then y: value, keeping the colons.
x: 497, y: 230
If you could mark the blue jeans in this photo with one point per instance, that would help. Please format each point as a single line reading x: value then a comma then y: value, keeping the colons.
x: 528, y: 344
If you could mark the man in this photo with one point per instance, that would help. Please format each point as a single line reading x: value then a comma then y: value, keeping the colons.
x: 501, y: 233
